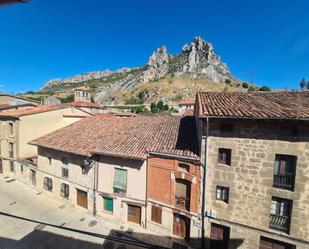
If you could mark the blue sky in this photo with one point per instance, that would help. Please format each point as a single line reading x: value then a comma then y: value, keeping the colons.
x: 41, y: 40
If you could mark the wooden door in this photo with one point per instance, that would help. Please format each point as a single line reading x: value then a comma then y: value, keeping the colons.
x: 1, y: 167
x: 134, y: 214
x: 33, y: 177
x: 181, y: 226
x: 219, y: 236
x: 82, y: 198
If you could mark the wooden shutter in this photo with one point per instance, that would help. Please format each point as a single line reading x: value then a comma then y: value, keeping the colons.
x: 156, y: 214
x: 120, y: 180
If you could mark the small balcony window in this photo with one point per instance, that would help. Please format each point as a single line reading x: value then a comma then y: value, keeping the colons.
x: 156, y: 214
x: 120, y: 181
x: 284, y: 172
x: 280, y: 214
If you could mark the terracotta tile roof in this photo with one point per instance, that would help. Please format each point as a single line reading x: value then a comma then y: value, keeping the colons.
x: 274, y: 105
x: 187, y: 102
x: 84, y: 104
x: 30, y: 111
x: 8, y: 106
x: 127, y: 137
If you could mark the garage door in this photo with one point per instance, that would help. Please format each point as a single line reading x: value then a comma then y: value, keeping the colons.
x: 82, y: 198
x: 266, y: 243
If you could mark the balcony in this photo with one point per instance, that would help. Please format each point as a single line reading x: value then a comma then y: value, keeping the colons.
x: 279, y: 222
x: 285, y: 181
x: 182, y: 202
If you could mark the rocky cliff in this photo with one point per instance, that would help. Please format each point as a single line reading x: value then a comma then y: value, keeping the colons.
x: 197, y: 60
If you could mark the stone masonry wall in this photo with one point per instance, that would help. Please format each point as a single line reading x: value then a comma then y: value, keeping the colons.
x: 254, y: 145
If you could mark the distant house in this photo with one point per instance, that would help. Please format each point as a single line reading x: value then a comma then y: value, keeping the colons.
x: 19, y: 127
x: 82, y: 100
x: 12, y: 100
x: 50, y: 100
x: 186, y: 107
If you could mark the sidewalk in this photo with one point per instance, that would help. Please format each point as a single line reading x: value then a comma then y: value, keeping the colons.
x: 21, y: 200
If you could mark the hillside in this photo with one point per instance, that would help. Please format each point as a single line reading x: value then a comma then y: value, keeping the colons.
x: 167, y: 77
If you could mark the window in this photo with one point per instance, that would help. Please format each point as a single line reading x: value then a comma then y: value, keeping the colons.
x: 64, y: 190
x: 21, y: 168
x: 65, y: 173
x: 267, y: 243
x: 224, y: 156
x: 108, y: 204
x: 48, y: 183
x: 12, y: 169
x: 11, y: 150
x: 120, y: 181
x: 11, y: 128
x: 182, y: 197
x: 280, y: 213
x: 226, y: 128
x: 284, y: 171
x: 49, y: 160
x: 222, y: 193
x: 156, y: 214
x: 65, y: 161
x: 184, y: 167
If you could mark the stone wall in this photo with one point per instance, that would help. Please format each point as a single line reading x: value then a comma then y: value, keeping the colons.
x: 254, y: 145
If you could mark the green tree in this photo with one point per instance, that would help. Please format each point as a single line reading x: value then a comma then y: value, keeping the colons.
x: 265, y: 89
x: 165, y: 107
x: 160, y: 105
x: 245, y: 85
x: 303, y: 84
x: 154, y: 107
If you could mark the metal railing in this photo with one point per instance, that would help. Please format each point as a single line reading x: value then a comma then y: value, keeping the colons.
x: 182, y: 202
x: 285, y: 181
x: 279, y: 222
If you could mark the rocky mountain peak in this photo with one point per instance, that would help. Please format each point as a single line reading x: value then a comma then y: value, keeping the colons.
x: 157, y: 66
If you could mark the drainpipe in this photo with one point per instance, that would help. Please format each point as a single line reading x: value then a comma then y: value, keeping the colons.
x: 204, y: 166
x: 146, y: 194
x: 95, y: 178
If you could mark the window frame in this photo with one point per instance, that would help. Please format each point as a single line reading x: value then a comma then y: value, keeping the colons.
x: 222, y: 193
x: 48, y: 183
x: 117, y: 190
x: 63, y: 188
x: 228, y: 156
x: 63, y: 169
x: 104, y: 204
x: 156, y: 216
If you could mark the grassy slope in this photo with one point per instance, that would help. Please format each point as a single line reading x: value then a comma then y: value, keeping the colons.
x: 178, y: 88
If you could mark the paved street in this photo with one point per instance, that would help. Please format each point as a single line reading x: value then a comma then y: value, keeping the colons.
x: 21, y: 200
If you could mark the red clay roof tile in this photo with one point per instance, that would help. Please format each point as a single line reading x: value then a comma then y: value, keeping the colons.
x: 128, y: 137
x: 270, y: 105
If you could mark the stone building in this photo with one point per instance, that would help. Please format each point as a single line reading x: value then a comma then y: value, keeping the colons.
x: 113, y: 152
x: 82, y: 94
x: 255, y: 147
x: 19, y: 127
